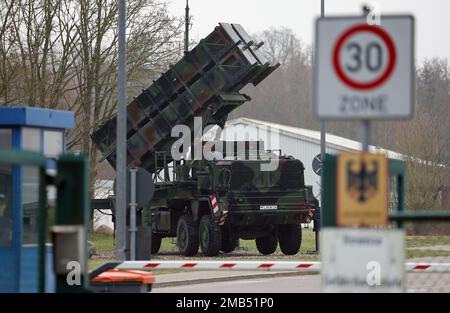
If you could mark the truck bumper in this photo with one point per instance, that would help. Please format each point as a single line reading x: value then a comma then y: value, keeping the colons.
x: 275, y: 217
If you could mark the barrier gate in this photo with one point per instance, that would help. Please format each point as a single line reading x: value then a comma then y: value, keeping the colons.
x: 397, y: 214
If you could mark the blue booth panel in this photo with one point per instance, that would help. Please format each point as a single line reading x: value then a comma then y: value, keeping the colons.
x: 41, y: 130
x: 36, y: 117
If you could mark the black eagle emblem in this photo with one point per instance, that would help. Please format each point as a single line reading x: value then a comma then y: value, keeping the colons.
x: 362, y: 182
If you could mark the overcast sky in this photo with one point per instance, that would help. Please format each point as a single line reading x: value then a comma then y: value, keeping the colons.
x: 432, y: 17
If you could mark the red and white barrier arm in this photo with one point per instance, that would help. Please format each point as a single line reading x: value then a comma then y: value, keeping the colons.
x: 428, y: 267
x: 259, y: 265
x: 218, y: 265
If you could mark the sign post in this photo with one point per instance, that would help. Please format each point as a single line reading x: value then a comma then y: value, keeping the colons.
x: 363, y: 72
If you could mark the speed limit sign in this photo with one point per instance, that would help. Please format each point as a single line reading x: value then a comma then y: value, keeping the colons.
x: 364, y: 71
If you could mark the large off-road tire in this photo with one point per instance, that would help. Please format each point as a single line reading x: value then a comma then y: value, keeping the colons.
x: 187, y: 235
x: 267, y: 245
x: 290, y: 238
x: 228, y: 244
x: 156, y: 243
x: 210, y: 236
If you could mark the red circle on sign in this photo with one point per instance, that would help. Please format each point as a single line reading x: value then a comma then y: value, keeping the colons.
x: 392, y: 57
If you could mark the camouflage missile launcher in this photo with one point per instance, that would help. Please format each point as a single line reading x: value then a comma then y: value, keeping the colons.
x: 205, y: 82
x: 211, y: 203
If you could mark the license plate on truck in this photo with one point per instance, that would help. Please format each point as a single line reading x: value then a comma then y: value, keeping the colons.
x: 268, y: 207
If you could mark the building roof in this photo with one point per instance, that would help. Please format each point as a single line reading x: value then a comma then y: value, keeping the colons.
x: 332, y: 141
x: 36, y: 117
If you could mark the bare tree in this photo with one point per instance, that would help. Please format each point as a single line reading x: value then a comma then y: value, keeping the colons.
x: 285, y: 96
x: 8, y: 65
x: 37, y: 52
x: 63, y: 54
x: 425, y: 140
x: 152, y: 43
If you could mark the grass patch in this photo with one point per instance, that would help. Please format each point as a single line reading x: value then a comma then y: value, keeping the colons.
x: 425, y: 241
x: 169, y: 245
x: 308, y: 245
x: 105, y: 248
x: 104, y: 244
x: 413, y: 253
x: 94, y: 263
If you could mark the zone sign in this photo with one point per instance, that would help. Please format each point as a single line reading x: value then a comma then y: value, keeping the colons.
x: 364, y: 71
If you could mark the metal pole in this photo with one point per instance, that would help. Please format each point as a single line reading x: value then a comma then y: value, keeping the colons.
x: 121, y: 181
x: 322, y: 123
x: 133, y: 205
x: 322, y: 147
x: 365, y: 125
x: 365, y: 134
x: 186, y: 28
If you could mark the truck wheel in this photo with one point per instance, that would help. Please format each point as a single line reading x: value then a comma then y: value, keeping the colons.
x: 290, y: 237
x: 156, y: 243
x: 187, y: 235
x: 267, y: 245
x: 210, y: 236
x: 228, y: 244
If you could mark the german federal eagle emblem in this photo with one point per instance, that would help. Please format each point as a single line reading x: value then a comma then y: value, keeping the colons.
x: 362, y: 179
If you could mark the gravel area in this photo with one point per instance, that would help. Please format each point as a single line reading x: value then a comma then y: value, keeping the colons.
x: 238, y: 254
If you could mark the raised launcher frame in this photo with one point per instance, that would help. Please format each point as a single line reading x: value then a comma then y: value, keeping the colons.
x: 205, y: 82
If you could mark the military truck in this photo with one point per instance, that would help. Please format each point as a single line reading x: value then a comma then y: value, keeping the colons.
x: 211, y: 203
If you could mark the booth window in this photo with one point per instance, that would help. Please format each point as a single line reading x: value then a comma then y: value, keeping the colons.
x: 5, y: 205
x: 31, y: 139
x: 53, y: 143
x: 5, y: 192
x: 30, y: 204
x: 5, y: 137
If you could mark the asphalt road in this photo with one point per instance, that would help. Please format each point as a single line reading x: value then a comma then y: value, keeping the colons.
x: 301, y: 284
x: 307, y: 283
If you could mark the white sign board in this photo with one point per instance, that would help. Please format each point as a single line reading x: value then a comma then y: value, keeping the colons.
x: 362, y: 260
x: 364, y: 71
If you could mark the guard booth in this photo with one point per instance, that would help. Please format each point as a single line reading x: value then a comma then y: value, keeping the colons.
x: 23, y: 193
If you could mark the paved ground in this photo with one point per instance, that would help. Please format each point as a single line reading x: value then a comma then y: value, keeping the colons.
x: 416, y: 282
x: 308, y: 283
x: 193, y: 277
x: 428, y: 282
x: 206, y: 277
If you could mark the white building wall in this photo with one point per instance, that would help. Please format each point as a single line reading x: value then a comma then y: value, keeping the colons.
x: 103, y: 189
